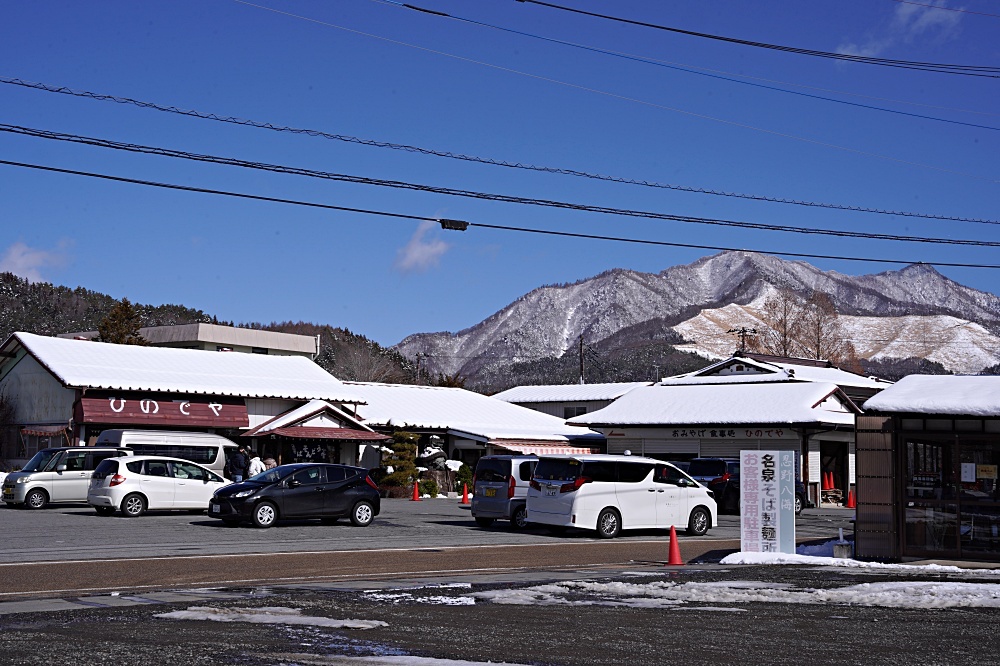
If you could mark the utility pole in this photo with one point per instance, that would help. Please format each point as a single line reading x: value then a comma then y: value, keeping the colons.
x: 656, y: 372
x: 743, y: 332
x: 581, y: 359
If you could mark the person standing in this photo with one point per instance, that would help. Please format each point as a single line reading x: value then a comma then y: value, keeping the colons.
x: 256, y: 465
x: 238, y: 465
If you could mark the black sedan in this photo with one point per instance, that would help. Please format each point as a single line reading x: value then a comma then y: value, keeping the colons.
x: 301, y: 490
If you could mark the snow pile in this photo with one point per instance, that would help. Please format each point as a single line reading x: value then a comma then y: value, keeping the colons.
x: 408, y: 660
x: 437, y: 599
x: 669, y: 595
x: 454, y: 465
x: 812, y: 560
x: 267, y: 615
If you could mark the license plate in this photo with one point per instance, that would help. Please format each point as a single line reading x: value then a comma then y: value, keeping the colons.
x: 490, y: 492
x: 215, y: 508
x: 550, y: 492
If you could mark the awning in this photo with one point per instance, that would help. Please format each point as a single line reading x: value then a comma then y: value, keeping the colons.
x: 544, y: 450
x: 44, y: 431
x: 339, y: 434
x: 162, y: 410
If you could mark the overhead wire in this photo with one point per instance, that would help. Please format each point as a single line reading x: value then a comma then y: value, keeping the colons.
x: 659, y: 63
x: 501, y: 227
x: 472, y: 158
x: 626, y: 98
x: 473, y: 194
x: 986, y: 71
x: 947, y: 9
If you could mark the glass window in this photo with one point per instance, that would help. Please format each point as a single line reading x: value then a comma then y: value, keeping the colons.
x: 75, y: 461
x: 94, y: 459
x: 574, y: 410
x: 668, y: 474
x: 526, y: 469
x: 931, y: 528
x: 40, y: 461
x: 557, y: 469
x: 335, y: 474
x: 494, y: 470
x: 309, y: 476
x: 105, y: 469
x: 186, y: 471
x: 633, y: 472
x: 134, y: 466
x: 156, y: 468
x: 600, y: 470
x: 930, y: 472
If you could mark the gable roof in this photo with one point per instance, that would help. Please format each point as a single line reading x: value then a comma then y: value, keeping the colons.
x: 941, y: 394
x: 807, y: 371
x: 294, y: 418
x: 100, y: 365
x: 460, y: 412
x: 773, y: 403
x: 568, y: 392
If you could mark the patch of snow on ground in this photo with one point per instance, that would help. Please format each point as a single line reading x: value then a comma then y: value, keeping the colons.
x: 661, y: 594
x: 439, y: 600
x: 811, y: 560
x: 267, y: 615
x: 405, y: 660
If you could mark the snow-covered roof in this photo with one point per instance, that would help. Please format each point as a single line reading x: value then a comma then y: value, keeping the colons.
x: 460, y: 412
x: 809, y: 373
x: 303, y: 412
x: 568, y: 392
x: 708, y: 404
x: 940, y: 394
x: 100, y: 365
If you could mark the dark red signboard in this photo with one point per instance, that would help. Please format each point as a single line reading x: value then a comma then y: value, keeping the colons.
x: 158, y: 409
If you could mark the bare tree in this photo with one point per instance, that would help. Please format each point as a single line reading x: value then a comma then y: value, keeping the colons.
x: 782, y: 315
x: 822, y: 337
x: 365, y: 362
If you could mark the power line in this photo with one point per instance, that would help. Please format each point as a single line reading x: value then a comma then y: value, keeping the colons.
x: 486, y: 196
x: 481, y: 160
x: 659, y: 63
x: 547, y: 232
x: 625, y: 98
x: 948, y: 9
x: 942, y: 68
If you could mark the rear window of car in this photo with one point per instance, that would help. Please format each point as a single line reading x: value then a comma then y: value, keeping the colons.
x: 734, y: 467
x: 525, y: 470
x: 105, y: 469
x: 492, y: 469
x: 707, y: 468
x: 553, y: 469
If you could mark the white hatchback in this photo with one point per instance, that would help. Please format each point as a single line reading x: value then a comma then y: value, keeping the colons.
x: 136, y: 484
x: 609, y: 493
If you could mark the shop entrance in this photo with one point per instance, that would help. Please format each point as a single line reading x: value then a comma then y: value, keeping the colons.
x: 835, y: 483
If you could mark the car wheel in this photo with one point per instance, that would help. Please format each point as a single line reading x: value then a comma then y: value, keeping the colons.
x: 104, y: 510
x: 36, y: 499
x: 609, y: 524
x: 362, y: 515
x: 484, y: 522
x: 133, y: 505
x: 264, y: 515
x: 519, y: 520
x: 699, y: 522
x: 798, y: 504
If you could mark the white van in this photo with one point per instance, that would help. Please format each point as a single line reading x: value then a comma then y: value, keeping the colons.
x: 204, y: 448
x: 610, y: 493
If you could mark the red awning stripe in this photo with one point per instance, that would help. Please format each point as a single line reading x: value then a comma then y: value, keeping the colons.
x: 545, y: 450
x: 43, y: 431
x: 341, y: 434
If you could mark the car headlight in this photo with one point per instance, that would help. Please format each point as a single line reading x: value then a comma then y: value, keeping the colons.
x: 24, y: 479
x: 244, y: 493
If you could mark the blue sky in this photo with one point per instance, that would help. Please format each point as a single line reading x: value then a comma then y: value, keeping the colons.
x: 377, y: 71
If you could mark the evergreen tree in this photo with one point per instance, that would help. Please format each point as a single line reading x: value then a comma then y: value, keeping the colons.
x: 121, y: 325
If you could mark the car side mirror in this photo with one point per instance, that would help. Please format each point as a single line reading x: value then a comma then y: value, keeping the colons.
x: 293, y: 483
x: 61, y: 468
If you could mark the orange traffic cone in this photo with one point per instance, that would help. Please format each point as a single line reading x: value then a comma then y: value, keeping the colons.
x: 851, y: 504
x: 465, y: 493
x: 827, y: 481
x: 675, y: 549
x: 416, y: 492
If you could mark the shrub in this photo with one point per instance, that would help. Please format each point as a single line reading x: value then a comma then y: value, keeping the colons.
x: 463, y: 475
x: 429, y: 487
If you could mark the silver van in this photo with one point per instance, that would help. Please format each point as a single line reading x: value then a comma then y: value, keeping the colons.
x: 206, y: 449
x: 60, y: 474
x: 500, y: 489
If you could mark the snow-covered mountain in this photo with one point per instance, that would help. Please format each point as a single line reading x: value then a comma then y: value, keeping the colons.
x: 547, y: 321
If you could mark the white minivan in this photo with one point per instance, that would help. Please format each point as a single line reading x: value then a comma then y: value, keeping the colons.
x: 203, y: 448
x: 610, y: 493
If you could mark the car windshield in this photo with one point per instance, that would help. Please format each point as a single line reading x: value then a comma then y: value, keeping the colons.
x: 272, y: 475
x: 557, y: 469
x: 40, y: 461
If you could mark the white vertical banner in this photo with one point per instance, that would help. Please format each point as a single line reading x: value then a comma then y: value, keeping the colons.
x: 767, y: 501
